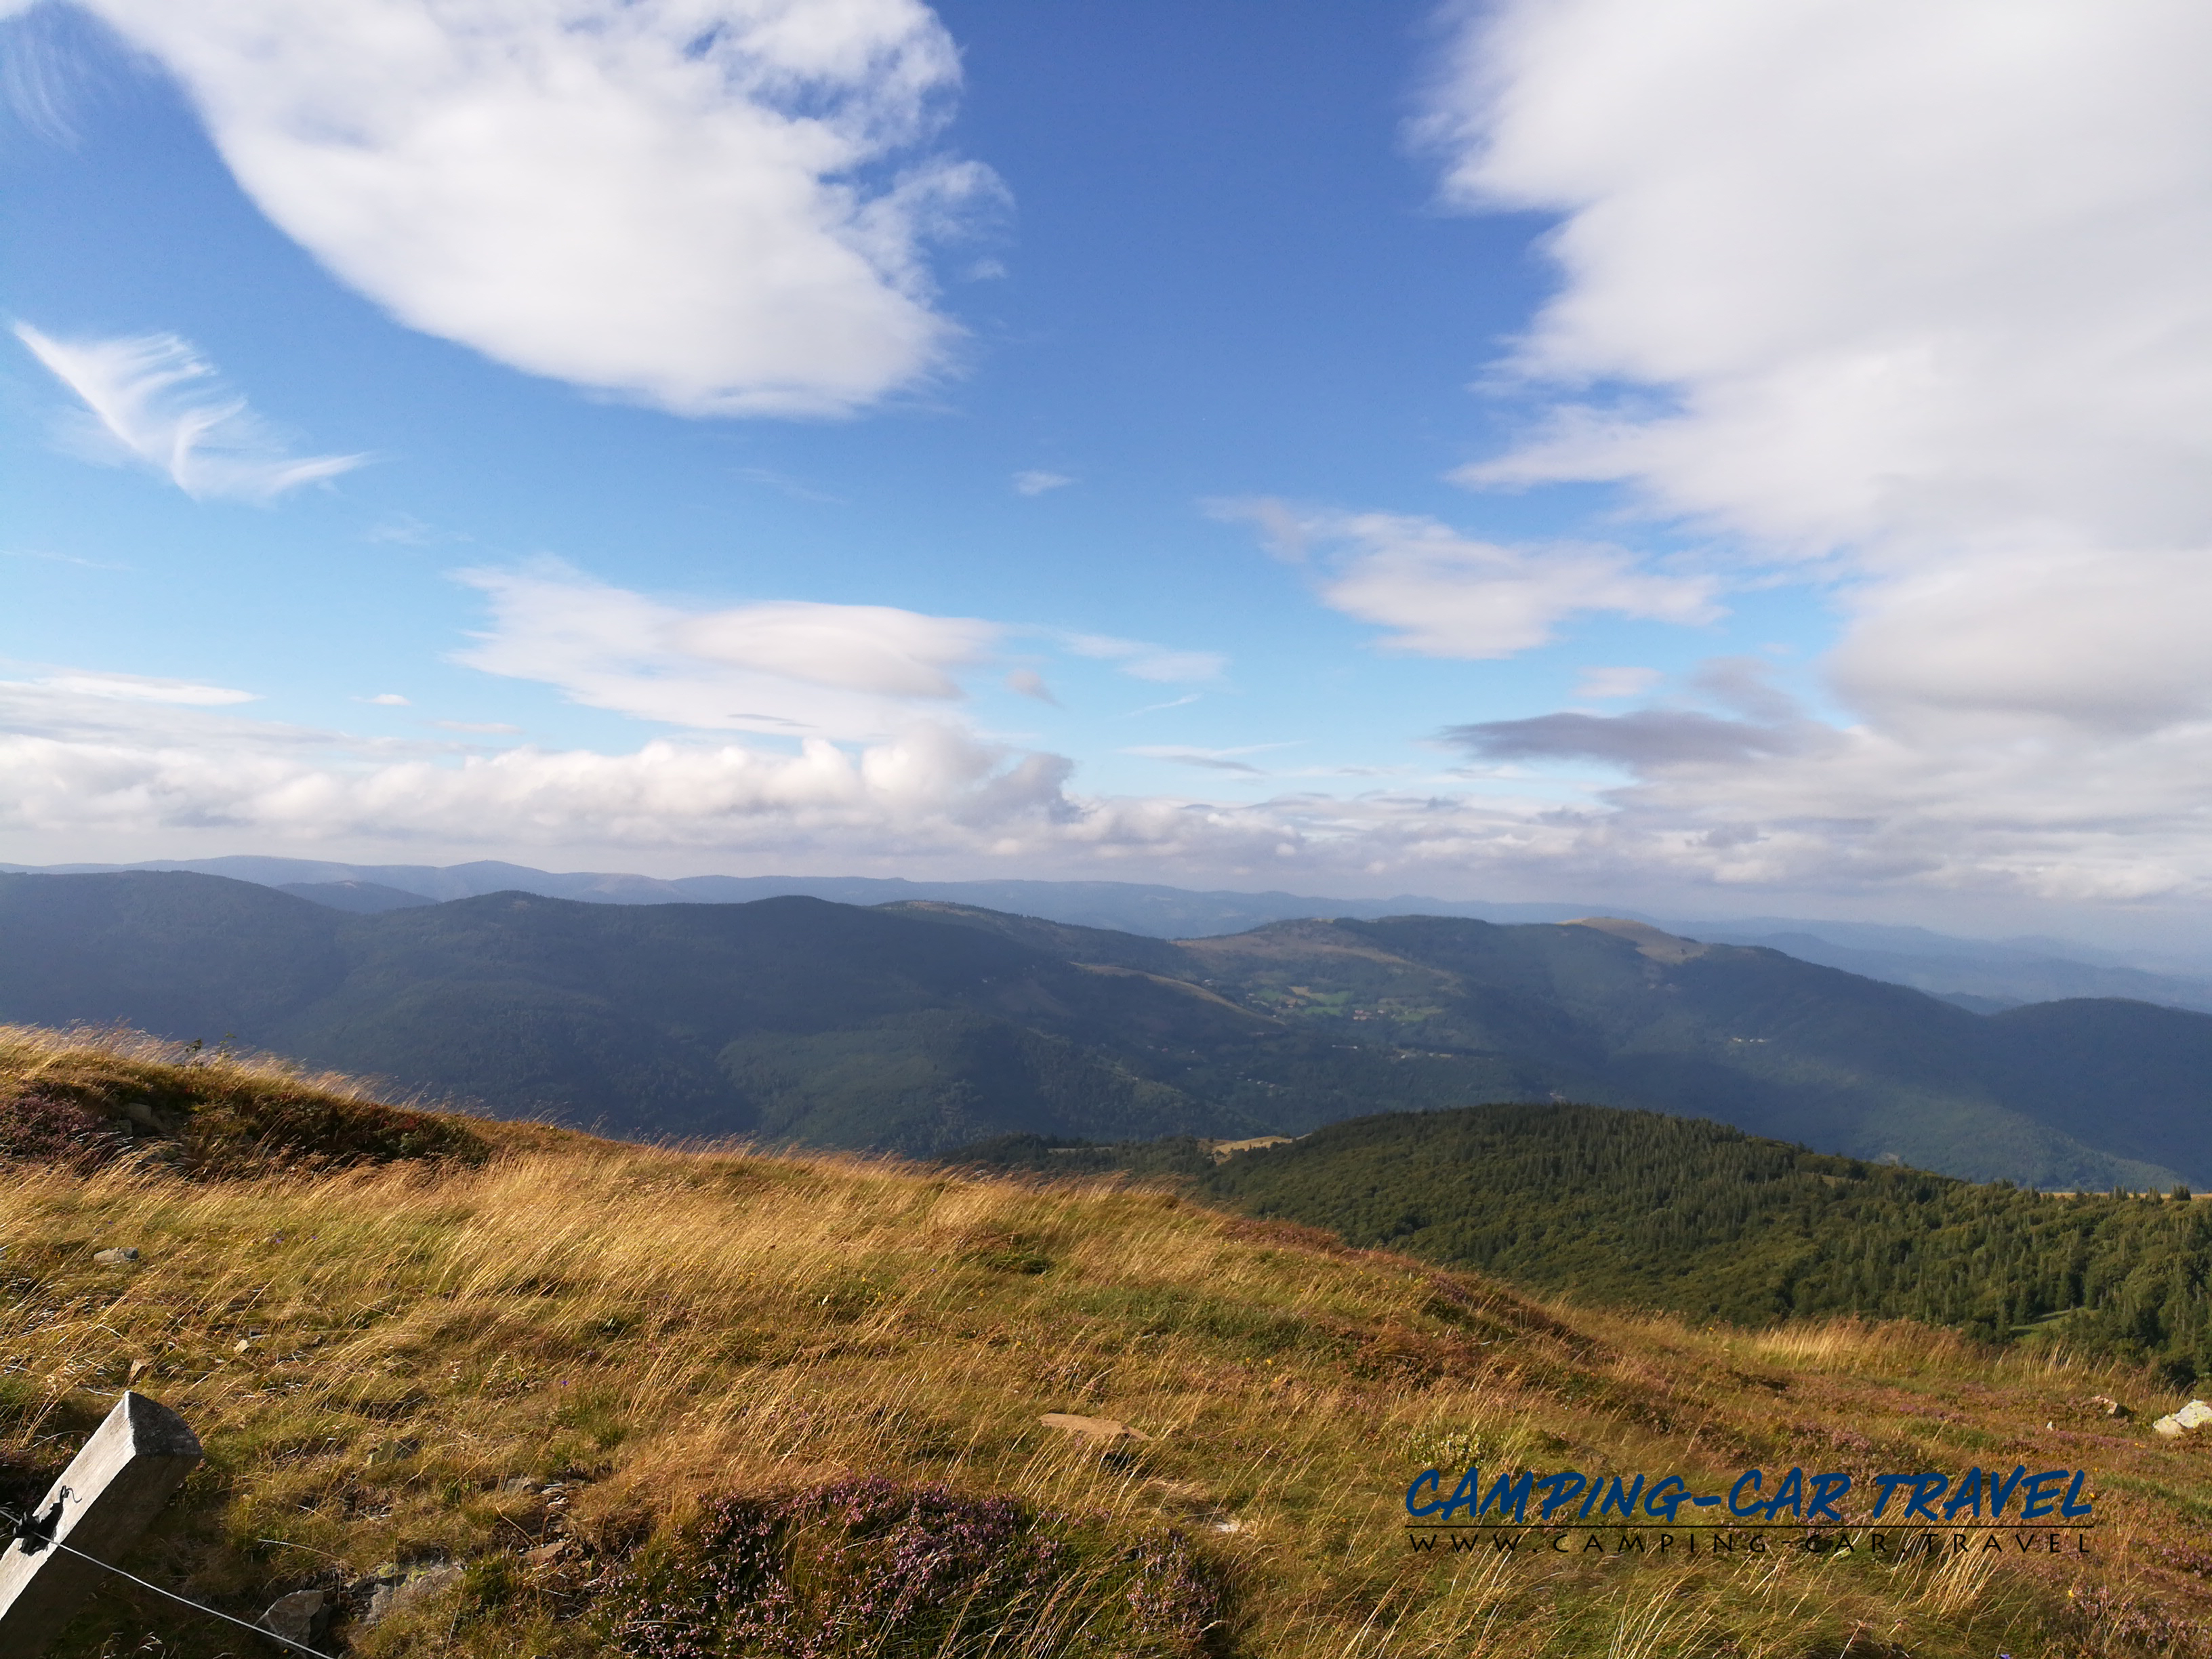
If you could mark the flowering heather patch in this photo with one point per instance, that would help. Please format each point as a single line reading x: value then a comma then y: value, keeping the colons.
x: 867, y: 1564
x: 42, y: 1127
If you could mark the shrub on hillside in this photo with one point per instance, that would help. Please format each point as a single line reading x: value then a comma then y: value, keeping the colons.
x: 867, y: 1565
x: 255, y: 1122
x: 85, y: 1107
x: 42, y: 1127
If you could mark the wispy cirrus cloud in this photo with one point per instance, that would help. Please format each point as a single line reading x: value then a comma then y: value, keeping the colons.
x: 140, y: 688
x: 159, y: 403
x: 1213, y: 760
x: 1143, y: 661
x: 1040, y: 484
x: 719, y: 207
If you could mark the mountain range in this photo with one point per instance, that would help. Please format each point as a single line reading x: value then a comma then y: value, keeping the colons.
x: 922, y: 1026
x: 1986, y: 975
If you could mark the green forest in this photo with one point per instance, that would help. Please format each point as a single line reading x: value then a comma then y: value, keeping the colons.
x: 1637, y: 1209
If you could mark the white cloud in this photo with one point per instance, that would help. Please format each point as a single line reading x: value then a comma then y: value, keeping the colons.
x: 160, y: 403
x: 142, y: 688
x: 1028, y: 683
x: 387, y: 699
x: 1698, y: 830
x: 483, y: 728
x: 1039, y: 483
x: 1448, y: 595
x: 717, y: 206
x: 1148, y: 662
x: 1605, y: 684
x: 787, y: 666
x: 1917, y: 287
x: 1911, y: 298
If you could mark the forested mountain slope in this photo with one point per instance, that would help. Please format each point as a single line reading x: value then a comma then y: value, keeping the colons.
x: 919, y: 1027
x: 1614, y: 1208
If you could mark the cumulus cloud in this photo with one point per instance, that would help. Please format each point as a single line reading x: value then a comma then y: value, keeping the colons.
x: 721, y: 207
x: 158, y: 402
x: 1840, y: 815
x: 788, y: 666
x: 1449, y: 595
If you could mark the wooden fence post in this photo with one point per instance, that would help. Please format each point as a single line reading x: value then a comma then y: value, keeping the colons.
x: 106, y: 1497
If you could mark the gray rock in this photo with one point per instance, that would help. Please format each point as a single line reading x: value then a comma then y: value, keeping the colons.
x: 115, y: 1258
x: 2195, y: 1414
x: 515, y: 1484
x: 303, y: 1616
x: 417, y: 1585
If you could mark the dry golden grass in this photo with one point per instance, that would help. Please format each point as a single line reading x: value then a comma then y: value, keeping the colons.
x: 31, y: 1054
x: 370, y: 1355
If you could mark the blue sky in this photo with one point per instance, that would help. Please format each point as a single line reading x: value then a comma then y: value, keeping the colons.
x: 1571, y: 450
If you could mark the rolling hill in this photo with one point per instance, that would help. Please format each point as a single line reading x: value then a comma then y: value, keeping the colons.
x: 922, y: 1026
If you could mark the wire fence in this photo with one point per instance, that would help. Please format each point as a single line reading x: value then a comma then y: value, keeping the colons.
x: 35, y: 1535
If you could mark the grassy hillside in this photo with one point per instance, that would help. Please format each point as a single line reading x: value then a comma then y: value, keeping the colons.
x: 918, y: 1027
x: 604, y: 1399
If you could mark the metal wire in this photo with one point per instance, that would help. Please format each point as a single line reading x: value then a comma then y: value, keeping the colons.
x: 26, y: 1530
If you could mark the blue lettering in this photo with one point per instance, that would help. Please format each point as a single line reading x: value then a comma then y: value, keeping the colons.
x: 2000, y: 1490
x: 1619, y: 1500
x: 1827, y: 1491
x: 2041, y: 1503
x: 1464, y: 1494
x: 2069, y: 1508
x: 1756, y: 1480
x: 1561, y: 1488
x: 1431, y: 1479
x: 1968, y: 1495
x: 1926, y: 1489
x: 1884, y: 1486
x: 1502, y: 1491
x: 1663, y: 1499
x: 1790, y: 1494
